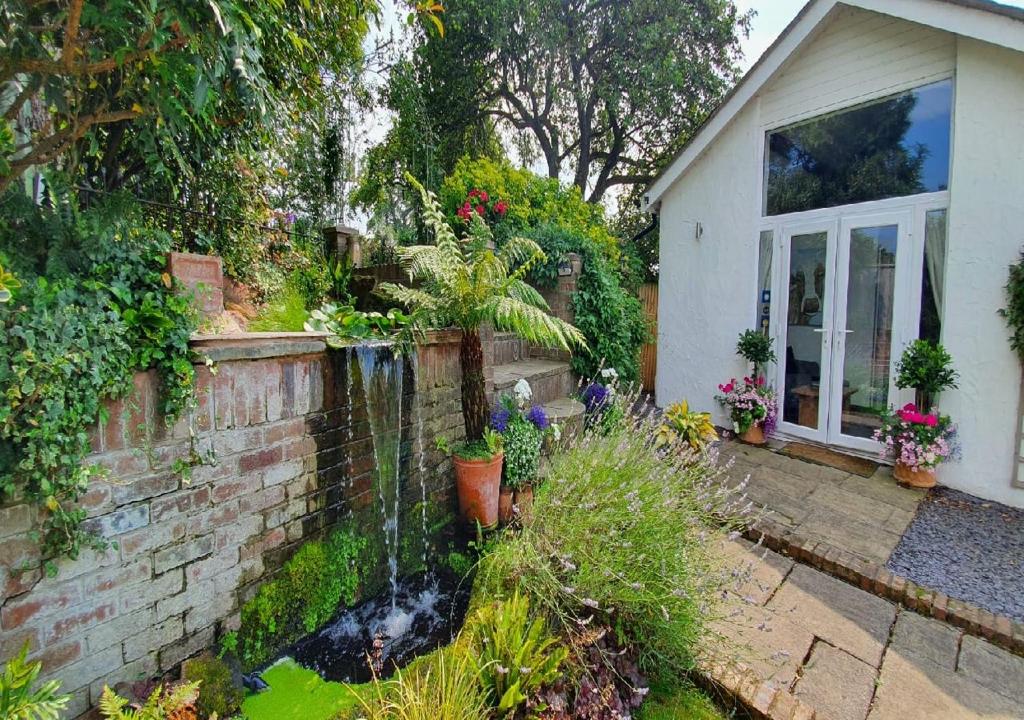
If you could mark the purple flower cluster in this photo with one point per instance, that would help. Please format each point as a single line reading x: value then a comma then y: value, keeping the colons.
x: 499, y: 418
x: 595, y: 396
x: 538, y: 417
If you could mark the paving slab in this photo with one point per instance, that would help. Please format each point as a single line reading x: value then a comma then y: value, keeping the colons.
x: 845, y: 616
x: 762, y: 571
x: 836, y: 684
x: 881, y: 486
x: 868, y: 541
x: 773, y: 646
x: 925, y: 640
x: 992, y: 667
x: 908, y: 690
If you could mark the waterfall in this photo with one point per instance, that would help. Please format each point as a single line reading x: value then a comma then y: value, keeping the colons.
x: 382, y: 374
x: 349, y: 400
x: 421, y: 465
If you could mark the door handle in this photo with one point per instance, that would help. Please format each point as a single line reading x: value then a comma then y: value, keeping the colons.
x: 822, y: 330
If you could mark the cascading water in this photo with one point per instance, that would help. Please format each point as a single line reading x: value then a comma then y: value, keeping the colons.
x: 382, y: 372
x: 421, y: 465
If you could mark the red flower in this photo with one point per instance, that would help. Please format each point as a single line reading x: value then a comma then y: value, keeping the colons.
x: 474, y: 193
x: 501, y: 207
x: 465, y: 212
x: 484, y: 196
x: 480, y: 209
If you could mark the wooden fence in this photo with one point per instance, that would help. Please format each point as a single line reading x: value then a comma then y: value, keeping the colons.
x: 649, y: 352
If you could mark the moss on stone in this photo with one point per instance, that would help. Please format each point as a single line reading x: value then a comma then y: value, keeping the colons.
x: 299, y: 694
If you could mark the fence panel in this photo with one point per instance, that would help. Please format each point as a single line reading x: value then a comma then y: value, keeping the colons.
x: 649, y: 352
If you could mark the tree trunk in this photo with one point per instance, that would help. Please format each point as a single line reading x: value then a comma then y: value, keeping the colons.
x: 474, y: 395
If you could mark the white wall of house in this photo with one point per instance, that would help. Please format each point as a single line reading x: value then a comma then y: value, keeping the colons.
x: 708, y: 286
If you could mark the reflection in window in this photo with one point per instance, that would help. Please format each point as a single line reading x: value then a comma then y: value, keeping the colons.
x: 933, y: 274
x: 890, y: 148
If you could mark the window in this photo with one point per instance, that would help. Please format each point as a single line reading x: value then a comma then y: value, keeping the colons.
x: 890, y: 148
x: 764, y: 279
x: 933, y: 274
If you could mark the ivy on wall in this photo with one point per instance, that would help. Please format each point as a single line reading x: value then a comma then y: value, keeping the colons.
x: 94, y: 305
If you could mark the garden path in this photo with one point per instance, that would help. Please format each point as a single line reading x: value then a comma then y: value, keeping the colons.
x: 865, y: 516
x: 850, y: 655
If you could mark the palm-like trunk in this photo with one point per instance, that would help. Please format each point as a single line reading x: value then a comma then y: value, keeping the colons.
x: 474, y: 395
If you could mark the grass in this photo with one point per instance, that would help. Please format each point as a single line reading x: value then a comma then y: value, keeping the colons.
x: 285, y: 313
x: 299, y: 694
x: 679, y: 703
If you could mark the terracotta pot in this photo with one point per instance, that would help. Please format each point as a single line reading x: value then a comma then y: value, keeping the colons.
x: 753, y: 436
x: 914, y: 478
x: 505, y: 502
x: 524, y: 500
x: 477, y: 483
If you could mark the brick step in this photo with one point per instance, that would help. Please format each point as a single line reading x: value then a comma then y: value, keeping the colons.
x: 550, y: 380
x: 509, y: 348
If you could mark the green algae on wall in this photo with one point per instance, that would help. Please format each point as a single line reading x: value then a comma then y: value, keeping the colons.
x: 296, y: 693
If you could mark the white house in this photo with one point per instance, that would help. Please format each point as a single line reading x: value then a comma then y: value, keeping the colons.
x: 862, y: 186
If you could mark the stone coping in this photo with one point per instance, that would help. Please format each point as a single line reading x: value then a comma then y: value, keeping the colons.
x: 762, y: 699
x: 261, y: 345
x: 877, y: 579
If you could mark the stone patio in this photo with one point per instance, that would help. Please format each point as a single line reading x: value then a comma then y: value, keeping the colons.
x: 866, y: 516
x: 850, y: 655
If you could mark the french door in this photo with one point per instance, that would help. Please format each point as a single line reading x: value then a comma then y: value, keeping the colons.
x: 843, y: 306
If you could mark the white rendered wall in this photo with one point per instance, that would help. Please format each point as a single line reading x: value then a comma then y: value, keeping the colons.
x: 986, y: 234
x: 706, y: 293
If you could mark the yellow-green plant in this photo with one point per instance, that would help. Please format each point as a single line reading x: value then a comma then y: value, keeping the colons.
x: 18, y: 701
x: 682, y: 424
x: 513, y: 654
x: 467, y: 284
x: 444, y: 686
x: 163, y: 704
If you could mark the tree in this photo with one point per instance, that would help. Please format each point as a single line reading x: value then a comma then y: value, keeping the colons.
x: 605, y: 90
x: 466, y: 284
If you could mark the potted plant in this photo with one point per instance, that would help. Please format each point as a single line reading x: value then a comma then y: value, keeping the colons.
x: 466, y: 284
x: 753, y: 408
x: 523, y: 427
x: 756, y: 348
x: 926, y: 367
x: 680, y: 424
x: 477, y: 477
x: 918, y: 442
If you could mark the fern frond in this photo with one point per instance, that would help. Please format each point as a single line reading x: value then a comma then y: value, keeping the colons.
x: 412, y: 298
x: 519, y: 250
x: 524, y: 292
x: 533, y: 324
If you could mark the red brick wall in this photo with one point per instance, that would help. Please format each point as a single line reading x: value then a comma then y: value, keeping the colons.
x: 288, y: 467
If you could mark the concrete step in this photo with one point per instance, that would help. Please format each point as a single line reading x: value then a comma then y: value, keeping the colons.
x: 568, y: 413
x: 509, y: 348
x: 550, y: 380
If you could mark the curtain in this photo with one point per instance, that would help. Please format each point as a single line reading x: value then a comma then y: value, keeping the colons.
x: 935, y: 254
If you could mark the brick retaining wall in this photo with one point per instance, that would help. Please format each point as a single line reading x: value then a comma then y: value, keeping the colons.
x: 287, y: 467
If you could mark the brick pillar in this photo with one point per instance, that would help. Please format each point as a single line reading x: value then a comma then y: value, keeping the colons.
x: 559, y: 298
x: 203, y: 275
x: 343, y: 241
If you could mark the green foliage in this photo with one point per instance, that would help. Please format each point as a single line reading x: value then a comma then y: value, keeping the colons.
x: 522, y: 442
x: 339, y: 274
x: 515, y: 655
x: 928, y: 368
x: 8, y: 284
x: 684, y: 425
x: 322, y: 576
x: 296, y: 693
x: 489, y: 445
x: 18, y: 701
x: 678, y: 701
x: 346, y: 324
x: 218, y: 695
x: 621, y: 533
x: 284, y: 313
x: 534, y: 201
x: 460, y: 563
x: 441, y: 686
x: 162, y: 704
x: 96, y: 306
x: 1014, y: 310
x: 756, y: 347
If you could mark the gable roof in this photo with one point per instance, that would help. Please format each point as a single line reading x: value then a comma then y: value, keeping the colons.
x: 979, y: 19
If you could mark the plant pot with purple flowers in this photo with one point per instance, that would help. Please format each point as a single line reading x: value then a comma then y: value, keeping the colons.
x: 523, y: 427
x: 753, y: 408
x: 918, y: 442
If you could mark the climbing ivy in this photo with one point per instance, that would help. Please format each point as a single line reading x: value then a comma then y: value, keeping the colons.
x: 94, y: 305
x: 322, y: 576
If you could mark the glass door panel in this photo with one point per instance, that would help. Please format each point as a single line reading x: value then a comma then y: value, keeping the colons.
x: 805, y: 348
x: 867, y: 347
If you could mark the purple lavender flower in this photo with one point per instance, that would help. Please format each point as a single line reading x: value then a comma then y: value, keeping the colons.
x: 595, y: 395
x: 499, y: 419
x: 538, y: 417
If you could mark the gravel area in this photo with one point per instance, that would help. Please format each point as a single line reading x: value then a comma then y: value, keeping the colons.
x: 968, y: 548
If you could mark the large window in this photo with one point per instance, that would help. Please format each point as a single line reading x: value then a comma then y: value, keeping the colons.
x: 890, y: 148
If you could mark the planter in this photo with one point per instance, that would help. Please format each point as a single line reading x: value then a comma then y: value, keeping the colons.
x: 524, y: 500
x: 753, y: 436
x: 477, y: 483
x: 505, y: 503
x: 914, y: 478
